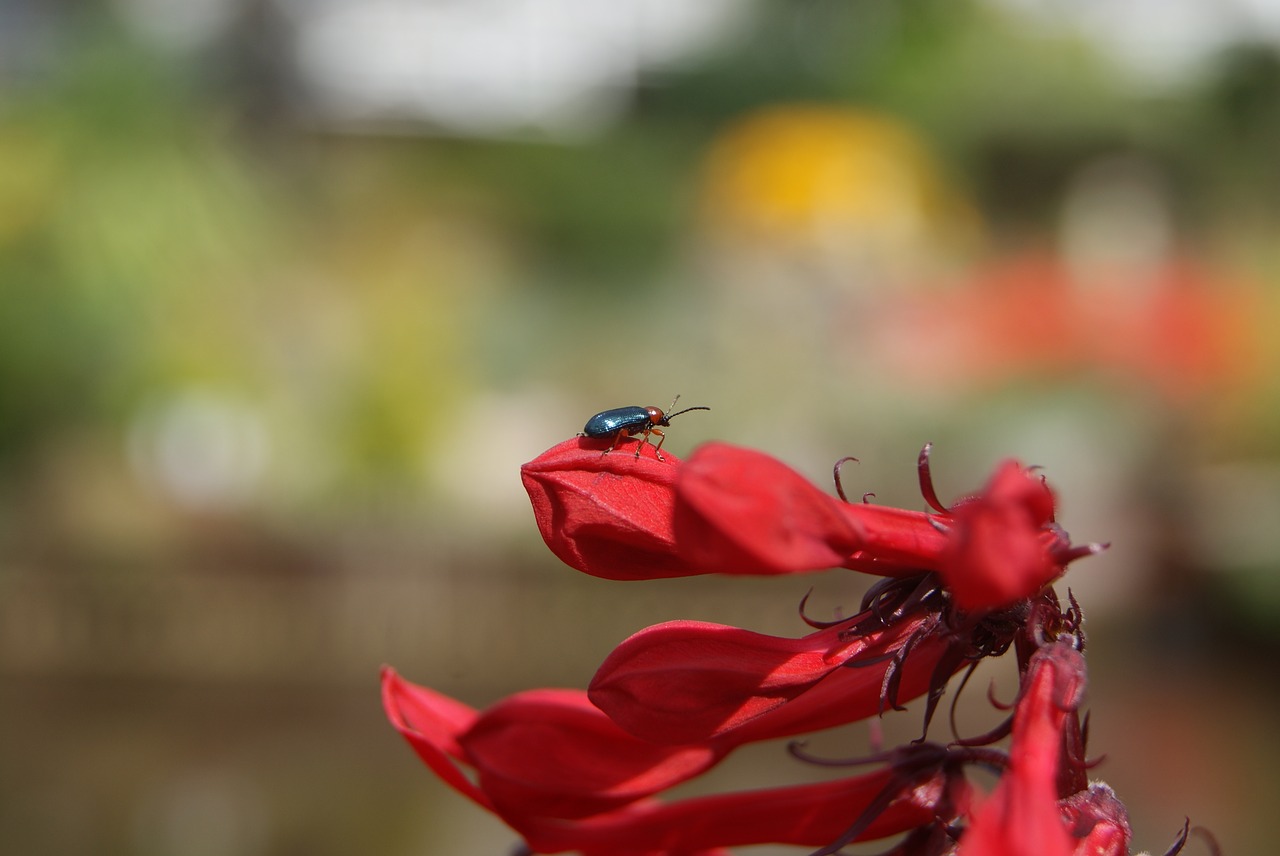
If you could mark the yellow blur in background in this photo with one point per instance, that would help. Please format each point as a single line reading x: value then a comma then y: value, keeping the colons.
x: 291, y: 290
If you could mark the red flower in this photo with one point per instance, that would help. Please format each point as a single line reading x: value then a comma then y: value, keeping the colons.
x: 585, y: 771
x: 1042, y: 805
x: 1022, y: 815
x: 736, y: 511
x: 565, y: 777
x: 1003, y: 543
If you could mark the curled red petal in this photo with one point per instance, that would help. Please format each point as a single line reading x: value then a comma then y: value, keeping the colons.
x: 606, y: 515
x: 1000, y: 546
x: 743, y: 512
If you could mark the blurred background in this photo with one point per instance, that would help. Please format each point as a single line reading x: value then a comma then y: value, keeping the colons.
x: 291, y: 289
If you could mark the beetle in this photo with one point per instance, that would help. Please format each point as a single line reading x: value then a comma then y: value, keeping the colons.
x: 624, y: 421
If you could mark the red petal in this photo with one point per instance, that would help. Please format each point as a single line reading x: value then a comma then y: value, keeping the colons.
x: 690, y: 681
x: 606, y: 515
x: 541, y: 753
x: 552, y: 753
x: 683, y: 681
x: 998, y: 547
x: 810, y: 815
x: 743, y: 512
x: 896, y: 542
x: 432, y: 724
x: 852, y: 693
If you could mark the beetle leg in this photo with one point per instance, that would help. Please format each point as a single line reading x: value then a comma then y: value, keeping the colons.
x: 643, y: 440
x: 657, y: 450
x: 616, y: 437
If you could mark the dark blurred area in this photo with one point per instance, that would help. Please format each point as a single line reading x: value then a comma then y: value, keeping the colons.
x: 291, y: 289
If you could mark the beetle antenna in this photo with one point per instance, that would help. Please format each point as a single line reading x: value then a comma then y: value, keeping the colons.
x: 686, y: 410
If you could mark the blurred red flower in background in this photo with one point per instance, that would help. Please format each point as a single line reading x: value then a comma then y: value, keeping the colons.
x: 1177, y: 329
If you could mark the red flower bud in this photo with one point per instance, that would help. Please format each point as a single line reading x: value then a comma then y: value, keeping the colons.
x: 687, y: 681
x: 606, y: 515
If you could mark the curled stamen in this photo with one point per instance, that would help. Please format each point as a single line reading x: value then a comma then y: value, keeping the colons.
x: 813, y: 622
x: 943, y: 669
x: 955, y: 699
x: 892, y: 680
x: 877, y: 591
x: 924, y: 590
x: 797, y: 749
x: 873, y: 810
x: 893, y: 674
x: 1000, y: 732
x: 893, y: 599
x: 1209, y: 839
x: 1181, y: 840
x: 911, y: 768
x: 835, y: 472
x: 866, y: 497
x: 995, y: 702
x: 926, y: 480
x: 869, y: 661
x: 1091, y: 763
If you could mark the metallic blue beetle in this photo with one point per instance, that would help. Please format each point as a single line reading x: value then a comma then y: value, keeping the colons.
x: 624, y: 421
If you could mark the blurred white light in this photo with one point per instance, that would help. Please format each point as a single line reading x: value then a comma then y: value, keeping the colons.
x: 479, y: 471
x: 1163, y: 40
x: 179, y: 25
x: 202, y: 448
x: 1117, y: 216
x: 491, y: 67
